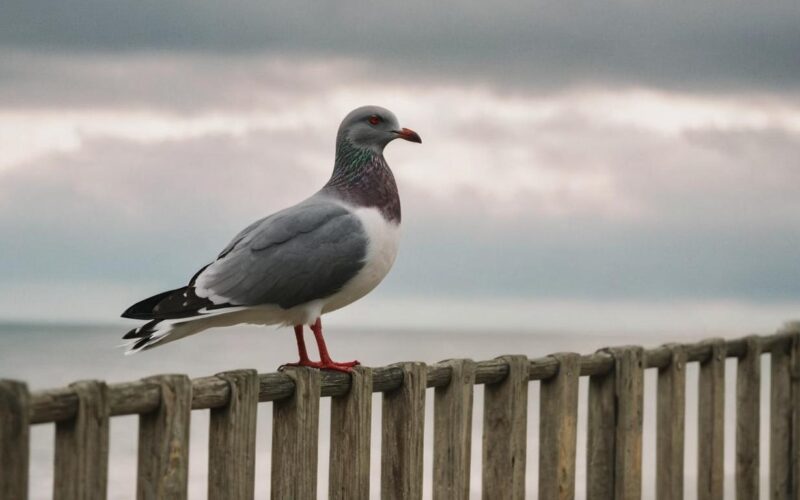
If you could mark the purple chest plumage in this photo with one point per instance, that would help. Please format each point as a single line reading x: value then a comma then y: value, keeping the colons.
x: 365, y: 179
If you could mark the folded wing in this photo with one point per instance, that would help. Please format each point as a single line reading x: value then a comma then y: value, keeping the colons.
x: 304, y: 253
x: 301, y: 254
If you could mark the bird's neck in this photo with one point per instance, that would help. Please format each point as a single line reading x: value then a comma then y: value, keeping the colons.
x: 361, y: 176
x: 353, y: 162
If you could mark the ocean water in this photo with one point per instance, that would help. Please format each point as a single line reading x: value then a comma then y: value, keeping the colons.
x: 48, y: 356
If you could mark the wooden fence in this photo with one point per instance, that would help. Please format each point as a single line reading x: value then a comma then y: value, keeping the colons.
x: 164, y: 404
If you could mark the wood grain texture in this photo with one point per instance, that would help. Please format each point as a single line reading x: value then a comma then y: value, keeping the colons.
x: 614, y: 454
x: 295, y: 431
x: 163, y: 464
x: 14, y: 440
x: 81, y: 454
x: 748, y: 410
x: 558, y: 425
x: 505, y: 411
x: 601, y: 434
x: 794, y: 452
x: 615, y: 428
x: 232, y: 439
x: 598, y: 363
x: 139, y: 397
x: 452, y: 432
x: 402, y: 435
x: 670, y: 425
x: 53, y: 405
x: 351, y: 427
x: 780, y: 428
x: 629, y: 387
x: 711, y: 423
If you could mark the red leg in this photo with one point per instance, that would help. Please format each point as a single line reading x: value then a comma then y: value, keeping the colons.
x: 325, y: 359
x: 301, y: 344
x: 301, y: 350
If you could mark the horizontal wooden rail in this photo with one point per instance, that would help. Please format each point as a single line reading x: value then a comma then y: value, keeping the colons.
x: 614, y: 425
x: 140, y: 397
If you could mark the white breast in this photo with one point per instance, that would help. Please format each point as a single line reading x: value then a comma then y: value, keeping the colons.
x: 384, y: 239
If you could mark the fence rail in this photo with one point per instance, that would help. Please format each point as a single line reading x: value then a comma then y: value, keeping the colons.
x: 164, y: 403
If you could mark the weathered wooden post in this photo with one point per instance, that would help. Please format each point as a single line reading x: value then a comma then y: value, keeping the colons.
x: 81, y: 455
x: 295, y: 430
x: 14, y: 440
x: 351, y: 421
x: 402, y: 434
x: 748, y: 413
x: 558, y: 426
x: 164, y: 441
x: 505, y: 430
x: 452, y: 432
x: 232, y: 439
x: 780, y: 427
x: 615, y: 428
x: 600, y: 439
x: 711, y: 423
x: 670, y: 425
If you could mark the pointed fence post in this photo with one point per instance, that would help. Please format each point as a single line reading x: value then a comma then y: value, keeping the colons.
x: 81, y: 455
x: 14, y: 439
x: 452, y: 432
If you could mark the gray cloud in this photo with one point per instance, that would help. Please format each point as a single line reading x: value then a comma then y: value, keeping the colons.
x: 710, y: 46
x: 118, y: 210
x: 187, y: 83
x: 707, y: 212
x: 721, y: 217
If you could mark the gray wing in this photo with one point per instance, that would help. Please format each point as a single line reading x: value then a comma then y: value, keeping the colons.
x: 306, y: 252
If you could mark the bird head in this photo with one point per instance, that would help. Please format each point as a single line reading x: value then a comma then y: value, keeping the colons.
x: 373, y: 127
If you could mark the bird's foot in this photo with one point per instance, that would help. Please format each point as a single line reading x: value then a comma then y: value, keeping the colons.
x: 345, y: 367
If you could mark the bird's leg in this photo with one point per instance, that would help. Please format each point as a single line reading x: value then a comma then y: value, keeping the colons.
x: 325, y: 363
x: 301, y: 344
x: 325, y: 359
x: 301, y: 350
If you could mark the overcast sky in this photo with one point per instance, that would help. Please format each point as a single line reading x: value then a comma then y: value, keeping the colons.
x: 582, y: 162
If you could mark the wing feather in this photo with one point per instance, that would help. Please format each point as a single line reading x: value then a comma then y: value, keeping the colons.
x: 307, y: 252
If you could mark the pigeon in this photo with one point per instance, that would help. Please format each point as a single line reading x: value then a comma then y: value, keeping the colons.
x: 295, y: 265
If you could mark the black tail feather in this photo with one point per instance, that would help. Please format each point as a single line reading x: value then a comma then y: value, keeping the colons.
x: 144, y: 309
x: 142, y: 331
x: 174, y: 304
x: 141, y: 343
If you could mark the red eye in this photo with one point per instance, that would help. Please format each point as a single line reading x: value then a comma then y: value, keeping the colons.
x: 374, y: 119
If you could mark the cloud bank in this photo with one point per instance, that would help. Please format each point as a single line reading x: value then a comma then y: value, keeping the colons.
x: 712, y: 45
x: 576, y: 154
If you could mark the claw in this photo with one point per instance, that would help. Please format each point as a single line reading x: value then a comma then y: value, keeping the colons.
x: 345, y: 367
x: 325, y: 363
